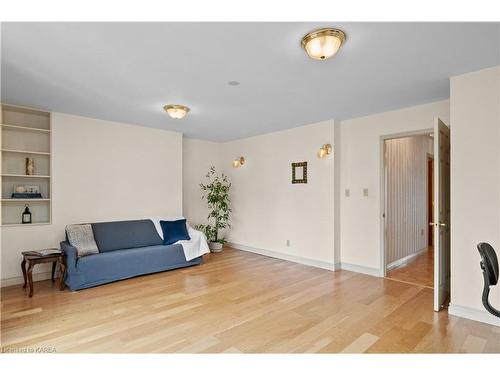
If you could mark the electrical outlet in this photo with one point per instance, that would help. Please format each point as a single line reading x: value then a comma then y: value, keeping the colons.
x: 365, y: 192
x: 347, y: 193
x: 287, y: 243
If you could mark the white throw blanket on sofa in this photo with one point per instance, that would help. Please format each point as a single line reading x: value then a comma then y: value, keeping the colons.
x: 195, y: 247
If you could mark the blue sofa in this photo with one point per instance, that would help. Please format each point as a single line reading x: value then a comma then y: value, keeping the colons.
x: 126, y: 249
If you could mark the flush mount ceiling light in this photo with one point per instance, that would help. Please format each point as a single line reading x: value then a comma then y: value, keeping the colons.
x: 176, y: 111
x: 323, y: 43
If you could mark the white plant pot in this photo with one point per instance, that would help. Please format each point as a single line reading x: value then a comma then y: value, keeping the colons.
x: 215, y: 247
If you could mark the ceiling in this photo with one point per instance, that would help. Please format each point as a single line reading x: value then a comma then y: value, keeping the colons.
x: 126, y: 72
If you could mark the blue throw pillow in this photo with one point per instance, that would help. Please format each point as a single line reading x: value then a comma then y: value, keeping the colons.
x: 174, y: 231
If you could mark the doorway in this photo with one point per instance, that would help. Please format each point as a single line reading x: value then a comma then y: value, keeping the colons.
x: 409, y: 255
x: 415, y: 209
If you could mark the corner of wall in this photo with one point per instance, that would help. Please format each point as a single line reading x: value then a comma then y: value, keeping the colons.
x: 337, y: 152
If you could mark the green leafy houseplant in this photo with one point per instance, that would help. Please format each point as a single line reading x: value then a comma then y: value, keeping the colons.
x: 216, y: 193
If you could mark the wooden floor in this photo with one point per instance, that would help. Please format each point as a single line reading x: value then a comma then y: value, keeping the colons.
x: 420, y: 270
x: 239, y: 302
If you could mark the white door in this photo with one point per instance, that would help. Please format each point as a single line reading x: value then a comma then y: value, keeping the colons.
x: 441, y: 213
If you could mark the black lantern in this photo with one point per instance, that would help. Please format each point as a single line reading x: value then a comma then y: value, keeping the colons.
x: 26, y: 215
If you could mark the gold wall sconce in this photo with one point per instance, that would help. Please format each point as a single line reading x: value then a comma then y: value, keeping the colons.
x: 325, y: 150
x: 239, y: 162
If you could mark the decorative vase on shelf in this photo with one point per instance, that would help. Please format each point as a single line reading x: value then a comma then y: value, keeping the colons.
x: 30, y: 166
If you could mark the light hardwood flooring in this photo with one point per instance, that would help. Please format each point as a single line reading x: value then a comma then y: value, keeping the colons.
x: 238, y: 302
x: 420, y: 270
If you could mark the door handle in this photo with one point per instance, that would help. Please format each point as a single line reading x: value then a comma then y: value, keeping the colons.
x: 438, y: 224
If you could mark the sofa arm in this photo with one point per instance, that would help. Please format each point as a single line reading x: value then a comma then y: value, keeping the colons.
x: 71, y: 254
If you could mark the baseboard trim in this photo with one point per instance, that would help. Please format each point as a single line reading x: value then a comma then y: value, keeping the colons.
x: 19, y: 280
x: 473, y: 314
x: 360, y: 269
x: 404, y: 260
x: 291, y: 258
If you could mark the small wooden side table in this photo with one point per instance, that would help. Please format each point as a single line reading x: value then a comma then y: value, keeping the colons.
x: 32, y: 259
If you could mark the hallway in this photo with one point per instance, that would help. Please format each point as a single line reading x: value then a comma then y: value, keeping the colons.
x: 419, y: 271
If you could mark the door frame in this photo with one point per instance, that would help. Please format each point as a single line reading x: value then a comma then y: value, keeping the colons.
x: 382, y: 208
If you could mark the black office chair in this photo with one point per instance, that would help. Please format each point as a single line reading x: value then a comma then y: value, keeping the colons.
x: 489, y: 265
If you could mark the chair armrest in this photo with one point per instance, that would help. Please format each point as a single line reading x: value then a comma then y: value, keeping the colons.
x: 71, y: 254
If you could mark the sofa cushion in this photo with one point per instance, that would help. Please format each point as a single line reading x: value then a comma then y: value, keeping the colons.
x: 174, y: 231
x: 129, y: 234
x: 81, y: 237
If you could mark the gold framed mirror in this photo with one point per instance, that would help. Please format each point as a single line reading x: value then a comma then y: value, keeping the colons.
x: 299, y: 173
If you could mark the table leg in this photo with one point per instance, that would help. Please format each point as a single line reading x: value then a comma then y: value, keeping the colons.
x: 30, y: 278
x: 62, y: 269
x: 53, y: 270
x: 23, y: 267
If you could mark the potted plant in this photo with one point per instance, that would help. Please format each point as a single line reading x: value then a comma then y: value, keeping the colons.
x: 216, y: 193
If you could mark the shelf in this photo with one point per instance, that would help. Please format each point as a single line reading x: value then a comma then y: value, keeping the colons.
x: 25, y: 133
x: 24, y: 225
x: 24, y: 175
x: 11, y: 200
x: 26, y: 152
x: 25, y: 128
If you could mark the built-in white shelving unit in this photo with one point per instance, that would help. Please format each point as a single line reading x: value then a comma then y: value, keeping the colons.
x: 25, y: 133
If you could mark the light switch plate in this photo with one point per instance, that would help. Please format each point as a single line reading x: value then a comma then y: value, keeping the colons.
x: 347, y: 192
x: 365, y: 192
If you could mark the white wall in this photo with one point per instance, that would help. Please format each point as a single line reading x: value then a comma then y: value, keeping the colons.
x: 361, y: 168
x: 475, y: 185
x: 101, y: 171
x: 267, y: 208
x: 198, y: 157
x: 407, y: 196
